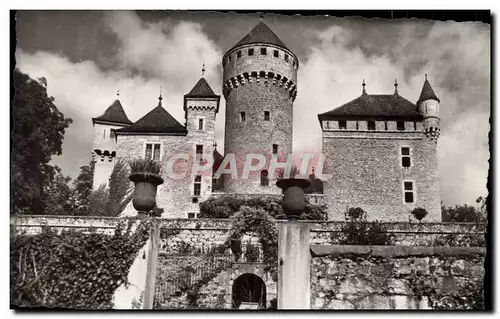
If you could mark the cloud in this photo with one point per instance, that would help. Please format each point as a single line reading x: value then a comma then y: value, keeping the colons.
x: 456, y: 57
x: 149, y: 56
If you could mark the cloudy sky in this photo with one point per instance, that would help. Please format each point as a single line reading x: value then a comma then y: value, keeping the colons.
x: 87, y: 56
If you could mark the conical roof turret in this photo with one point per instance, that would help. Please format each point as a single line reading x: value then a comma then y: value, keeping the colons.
x: 427, y: 92
x: 261, y: 33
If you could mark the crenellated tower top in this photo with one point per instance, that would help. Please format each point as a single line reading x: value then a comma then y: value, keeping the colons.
x: 260, y: 56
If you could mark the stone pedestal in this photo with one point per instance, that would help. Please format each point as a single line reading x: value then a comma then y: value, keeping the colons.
x: 294, y: 262
x: 152, y: 263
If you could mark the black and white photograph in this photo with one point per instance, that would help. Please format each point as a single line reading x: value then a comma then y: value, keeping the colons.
x: 196, y: 160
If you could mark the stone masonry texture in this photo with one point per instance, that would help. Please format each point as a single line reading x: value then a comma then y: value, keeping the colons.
x: 401, y: 281
x: 366, y: 172
x: 254, y: 97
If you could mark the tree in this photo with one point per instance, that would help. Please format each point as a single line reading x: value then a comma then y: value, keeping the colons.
x: 119, y: 189
x: 59, y: 196
x: 461, y: 214
x: 37, y: 134
x: 83, y: 183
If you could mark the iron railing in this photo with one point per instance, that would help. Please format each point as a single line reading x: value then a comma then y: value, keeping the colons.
x: 182, y: 280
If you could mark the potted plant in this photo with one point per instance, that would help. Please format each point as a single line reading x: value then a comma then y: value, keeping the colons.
x: 293, y: 194
x: 145, y: 174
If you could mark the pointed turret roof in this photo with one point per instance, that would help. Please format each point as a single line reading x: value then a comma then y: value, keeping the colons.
x: 158, y: 120
x: 201, y: 89
x: 114, y: 114
x: 261, y: 33
x: 427, y: 92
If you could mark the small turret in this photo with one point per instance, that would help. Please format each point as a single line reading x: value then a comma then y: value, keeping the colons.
x: 428, y: 107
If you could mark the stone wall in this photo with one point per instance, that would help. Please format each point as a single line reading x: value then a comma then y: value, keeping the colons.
x: 392, y: 277
x: 367, y: 173
x: 203, y: 233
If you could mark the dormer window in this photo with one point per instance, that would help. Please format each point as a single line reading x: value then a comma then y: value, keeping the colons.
x: 371, y: 125
x: 400, y: 125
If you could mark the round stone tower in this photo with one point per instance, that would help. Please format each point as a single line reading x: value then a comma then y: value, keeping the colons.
x: 259, y: 85
x: 428, y: 106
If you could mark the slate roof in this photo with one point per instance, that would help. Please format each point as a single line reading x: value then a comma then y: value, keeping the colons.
x: 261, y: 33
x: 114, y: 114
x: 375, y: 106
x: 427, y: 92
x: 158, y: 120
x: 201, y: 89
x: 218, y: 158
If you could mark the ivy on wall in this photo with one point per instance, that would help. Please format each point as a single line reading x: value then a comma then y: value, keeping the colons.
x: 73, y: 269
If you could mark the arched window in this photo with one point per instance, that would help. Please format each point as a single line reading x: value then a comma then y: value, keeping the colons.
x: 264, y: 181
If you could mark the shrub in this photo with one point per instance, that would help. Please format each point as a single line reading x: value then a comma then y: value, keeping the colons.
x: 356, y: 213
x: 226, y: 206
x: 363, y: 233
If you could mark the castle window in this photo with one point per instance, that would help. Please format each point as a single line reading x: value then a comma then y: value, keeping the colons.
x: 415, y: 125
x: 276, y: 54
x: 400, y: 125
x: 242, y: 116
x: 275, y: 148
x: 191, y: 215
x: 342, y: 125
x: 357, y: 125
x: 408, y: 192
x: 200, y: 124
x: 152, y: 151
x: 199, y: 149
x: 385, y: 125
x: 293, y: 62
x: 371, y: 125
x: 263, y: 51
x: 267, y: 115
x: 327, y: 123
x: 250, y: 51
x: 197, y: 186
x: 104, y: 134
x: 111, y: 133
x: 286, y: 57
x: 228, y: 58
x: 238, y: 54
x: 405, y: 157
x: 264, y: 181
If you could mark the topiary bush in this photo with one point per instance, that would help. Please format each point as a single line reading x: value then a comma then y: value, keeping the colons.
x: 419, y: 213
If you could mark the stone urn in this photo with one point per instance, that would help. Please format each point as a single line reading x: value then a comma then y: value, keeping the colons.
x: 293, y: 196
x: 146, y: 185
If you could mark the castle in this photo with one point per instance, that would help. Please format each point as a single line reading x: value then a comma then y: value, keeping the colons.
x: 380, y: 150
